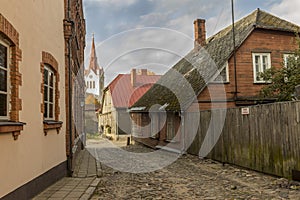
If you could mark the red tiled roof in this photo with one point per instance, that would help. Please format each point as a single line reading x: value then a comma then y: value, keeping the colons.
x: 124, y: 94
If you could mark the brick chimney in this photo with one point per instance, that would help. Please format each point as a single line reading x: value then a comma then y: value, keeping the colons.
x: 144, y: 72
x: 200, y: 32
x: 133, y: 77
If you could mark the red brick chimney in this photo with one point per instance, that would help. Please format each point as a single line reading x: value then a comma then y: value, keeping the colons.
x: 144, y: 72
x: 133, y: 77
x: 200, y: 32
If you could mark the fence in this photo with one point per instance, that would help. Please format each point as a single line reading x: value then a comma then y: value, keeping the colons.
x: 267, y: 139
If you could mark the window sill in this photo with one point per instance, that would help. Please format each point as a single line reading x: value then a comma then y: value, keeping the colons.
x: 262, y: 83
x: 52, y: 124
x: 12, y: 127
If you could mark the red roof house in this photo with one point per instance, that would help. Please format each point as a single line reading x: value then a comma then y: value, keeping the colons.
x: 120, y: 94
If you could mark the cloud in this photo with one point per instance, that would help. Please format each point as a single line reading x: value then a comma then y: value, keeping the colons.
x: 153, y: 19
x: 157, y: 49
x: 115, y: 3
x: 120, y: 52
x: 288, y: 10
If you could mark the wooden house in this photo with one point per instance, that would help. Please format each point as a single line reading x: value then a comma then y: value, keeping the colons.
x: 207, y: 77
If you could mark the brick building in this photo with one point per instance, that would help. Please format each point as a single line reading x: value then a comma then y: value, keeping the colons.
x: 37, y: 133
x: 206, y: 78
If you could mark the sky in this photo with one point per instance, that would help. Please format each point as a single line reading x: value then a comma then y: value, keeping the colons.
x: 155, y: 34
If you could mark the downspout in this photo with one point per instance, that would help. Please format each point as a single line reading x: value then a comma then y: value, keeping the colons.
x: 234, y: 54
x: 183, y: 151
x: 70, y: 157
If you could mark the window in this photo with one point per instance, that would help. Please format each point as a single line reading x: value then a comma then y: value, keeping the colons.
x: 10, y: 79
x: 261, y: 62
x: 287, y: 58
x: 223, y: 77
x: 154, y: 126
x: 170, y: 128
x: 49, y: 92
x: 4, y: 80
x: 94, y: 84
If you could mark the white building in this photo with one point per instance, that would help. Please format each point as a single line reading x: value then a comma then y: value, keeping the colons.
x: 94, y: 75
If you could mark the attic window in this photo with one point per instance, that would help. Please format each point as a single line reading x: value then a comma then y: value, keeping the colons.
x: 223, y: 77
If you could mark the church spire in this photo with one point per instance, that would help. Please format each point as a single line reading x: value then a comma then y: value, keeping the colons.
x: 93, y: 58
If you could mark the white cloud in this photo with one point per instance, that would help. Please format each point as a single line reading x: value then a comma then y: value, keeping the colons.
x: 115, y: 3
x: 155, y: 48
x: 288, y: 10
x: 178, y: 15
x: 154, y: 18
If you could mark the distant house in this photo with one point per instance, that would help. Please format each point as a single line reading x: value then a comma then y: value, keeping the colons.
x: 41, y: 50
x: 91, y: 114
x: 262, y: 40
x: 121, y: 93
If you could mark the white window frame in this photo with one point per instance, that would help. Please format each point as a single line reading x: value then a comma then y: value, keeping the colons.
x: 285, y: 58
x: 261, y: 65
x: 154, y: 126
x: 227, y: 75
x: 47, y: 101
x: 8, y: 81
x: 170, y: 136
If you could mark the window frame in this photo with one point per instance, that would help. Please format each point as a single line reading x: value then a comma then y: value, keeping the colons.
x: 8, y: 83
x: 261, y: 64
x: 154, y: 128
x: 49, y: 68
x: 285, y: 58
x: 170, y: 130
x: 226, y: 68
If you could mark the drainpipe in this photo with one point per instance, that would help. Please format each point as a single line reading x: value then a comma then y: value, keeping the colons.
x: 182, y: 132
x: 234, y: 54
x: 70, y: 157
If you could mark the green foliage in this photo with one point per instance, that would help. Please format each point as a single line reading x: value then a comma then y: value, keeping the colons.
x: 91, y: 99
x: 283, y: 80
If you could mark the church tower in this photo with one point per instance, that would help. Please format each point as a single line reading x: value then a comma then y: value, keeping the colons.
x: 94, y: 75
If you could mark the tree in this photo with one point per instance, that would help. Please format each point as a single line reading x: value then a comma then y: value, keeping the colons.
x: 284, y: 80
x: 90, y: 99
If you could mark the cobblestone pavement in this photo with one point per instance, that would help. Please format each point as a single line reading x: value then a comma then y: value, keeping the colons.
x: 192, y: 178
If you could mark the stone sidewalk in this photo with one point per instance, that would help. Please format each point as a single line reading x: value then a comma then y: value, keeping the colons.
x: 81, y: 186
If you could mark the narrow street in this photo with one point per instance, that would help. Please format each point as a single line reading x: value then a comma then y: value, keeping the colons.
x: 192, y: 178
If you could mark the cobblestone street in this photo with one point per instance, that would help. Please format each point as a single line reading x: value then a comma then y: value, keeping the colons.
x: 192, y: 178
